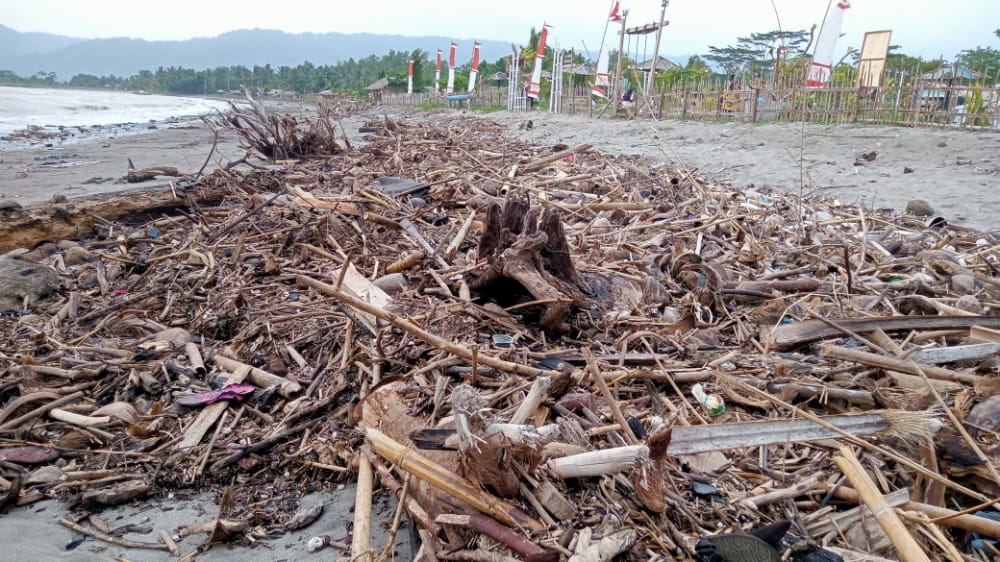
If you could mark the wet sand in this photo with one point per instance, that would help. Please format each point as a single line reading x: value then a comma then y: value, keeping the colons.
x: 34, y: 532
x: 31, y: 175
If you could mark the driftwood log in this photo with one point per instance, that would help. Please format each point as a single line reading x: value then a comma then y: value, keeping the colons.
x: 529, y: 246
x: 80, y: 216
x: 146, y: 174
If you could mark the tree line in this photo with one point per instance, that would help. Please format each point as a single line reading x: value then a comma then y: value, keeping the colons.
x: 348, y: 76
x: 758, y: 54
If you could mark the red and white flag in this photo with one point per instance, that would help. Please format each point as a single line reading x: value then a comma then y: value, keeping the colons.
x: 535, y: 85
x: 601, y: 81
x: 451, y: 69
x: 409, y: 79
x: 437, y: 73
x: 822, y: 63
x: 614, y: 13
x: 474, y: 70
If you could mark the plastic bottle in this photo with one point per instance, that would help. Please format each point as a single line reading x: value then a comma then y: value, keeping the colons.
x: 712, y: 403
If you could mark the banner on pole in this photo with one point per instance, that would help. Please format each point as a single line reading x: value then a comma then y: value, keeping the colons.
x: 601, y: 80
x: 409, y: 79
x: 822, y: 63
x: 535, y: 84
x: 451, y: 69
x: 474, y: 69
x: 437, y: 73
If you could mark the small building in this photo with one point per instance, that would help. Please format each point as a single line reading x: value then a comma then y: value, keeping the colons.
x: 947, y: 86
x: 377, y: 88
x: 663, y: 64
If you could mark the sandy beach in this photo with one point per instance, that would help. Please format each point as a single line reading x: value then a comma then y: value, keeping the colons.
x: 94, y: 165
x: 956, y: 171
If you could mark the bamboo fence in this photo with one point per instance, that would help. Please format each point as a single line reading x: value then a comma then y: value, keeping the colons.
x: 900, y: 101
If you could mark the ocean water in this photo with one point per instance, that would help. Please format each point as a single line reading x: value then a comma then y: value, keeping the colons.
x: 52, y: 108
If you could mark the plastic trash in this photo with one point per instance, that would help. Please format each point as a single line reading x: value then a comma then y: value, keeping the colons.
x: 712, y: 403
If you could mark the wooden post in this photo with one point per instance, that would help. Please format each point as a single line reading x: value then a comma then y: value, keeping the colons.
x: 857, y: 106
x: 656, y: 48
x: 756, y: 96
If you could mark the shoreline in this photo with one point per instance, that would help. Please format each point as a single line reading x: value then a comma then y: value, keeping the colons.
x: 956, y: 171
x: 92, y: 166
x: 52, y: 136
x: 50, y: 116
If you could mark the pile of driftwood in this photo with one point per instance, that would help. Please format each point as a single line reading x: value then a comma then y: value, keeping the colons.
x: 547, y: 353
x: 278, y: 135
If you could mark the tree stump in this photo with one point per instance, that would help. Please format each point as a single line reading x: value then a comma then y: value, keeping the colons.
x: 527, y: 245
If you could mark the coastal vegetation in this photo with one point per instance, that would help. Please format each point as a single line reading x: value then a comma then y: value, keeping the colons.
x: 348, y: 75
x: 757, y: 54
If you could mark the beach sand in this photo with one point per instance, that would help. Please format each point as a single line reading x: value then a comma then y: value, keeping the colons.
x: 956, y: 171
x: 91, y: 166
x: 34, y: 532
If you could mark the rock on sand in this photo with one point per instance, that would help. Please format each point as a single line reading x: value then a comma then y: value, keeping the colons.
x: 20, y: 279
x: 919, y: 208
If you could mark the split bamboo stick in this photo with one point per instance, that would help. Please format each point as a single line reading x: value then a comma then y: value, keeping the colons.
x: 907, y: 546
x: 459, y: 488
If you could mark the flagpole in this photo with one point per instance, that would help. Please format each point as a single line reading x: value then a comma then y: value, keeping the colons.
x: 607, y: 23
x: 656, y: 48
x: 437, y: 74
x: 618, y: 65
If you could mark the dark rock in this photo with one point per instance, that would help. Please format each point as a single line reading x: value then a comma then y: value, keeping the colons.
x: 919, y: 208
x: 971, y: 304
x: 963, y: 283
x: 77, y: 255
x: 20, y: 279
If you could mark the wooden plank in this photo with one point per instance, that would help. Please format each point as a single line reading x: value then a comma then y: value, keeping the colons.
x: 894, y: 364
x: 808, y: 331
x: 209, y: 414
x: 950, y: 354
x: 984, y: 334
x: 358, y: 286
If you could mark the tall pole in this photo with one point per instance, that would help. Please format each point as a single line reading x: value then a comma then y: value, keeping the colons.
x: 656, y: 48
x: 437, y: 73
x: 616, y: 91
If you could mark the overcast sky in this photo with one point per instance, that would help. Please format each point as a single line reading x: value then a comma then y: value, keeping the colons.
x: 921, y: 27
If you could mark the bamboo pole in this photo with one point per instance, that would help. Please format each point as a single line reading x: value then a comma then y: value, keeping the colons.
x: 260, y: 377
x: 891, y: 363
x: 413, y: 329
x: 907, y: 546
x: 940, y: 515
x: 457, y: 487
x: 361, y: 543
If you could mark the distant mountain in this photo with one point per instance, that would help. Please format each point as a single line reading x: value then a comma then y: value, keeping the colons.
x: 29, y: 54
x: 15, y: 43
